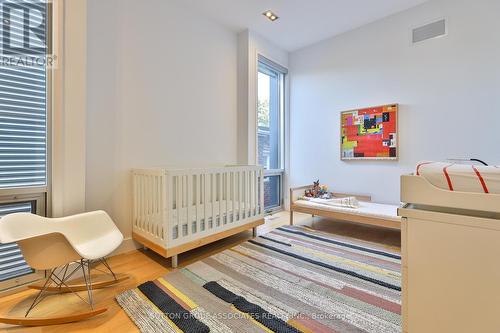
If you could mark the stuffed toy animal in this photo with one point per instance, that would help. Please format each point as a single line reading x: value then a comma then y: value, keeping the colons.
x: 318, y: 191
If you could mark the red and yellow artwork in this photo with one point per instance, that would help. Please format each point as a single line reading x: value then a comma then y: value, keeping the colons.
x: 370, y: 133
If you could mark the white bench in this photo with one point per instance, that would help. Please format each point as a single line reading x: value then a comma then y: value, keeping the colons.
x: 381, y: 215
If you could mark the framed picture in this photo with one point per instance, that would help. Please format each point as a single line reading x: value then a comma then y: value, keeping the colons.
x: 369, y: 133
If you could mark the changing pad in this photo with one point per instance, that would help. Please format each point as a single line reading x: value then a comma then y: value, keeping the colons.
x: 461, y: 177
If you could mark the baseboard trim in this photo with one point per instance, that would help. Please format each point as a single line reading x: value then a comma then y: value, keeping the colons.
x: 127, y: 245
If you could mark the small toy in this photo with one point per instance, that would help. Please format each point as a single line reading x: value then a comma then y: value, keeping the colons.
x: 318, y: 191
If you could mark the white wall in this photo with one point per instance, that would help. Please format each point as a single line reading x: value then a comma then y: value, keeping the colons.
x: 448, y: 90
x: 69, y: 110
x: 161, y: 91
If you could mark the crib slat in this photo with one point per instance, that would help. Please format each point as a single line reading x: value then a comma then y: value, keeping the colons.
x: 220, y: 196
x: 138, y: 200
x: 187, y: 201
x: 207, y: 199
x: 188, y: 190
x: 169, y: 225
x: 233, y: 193
x: 249, y: 210
x: 143, y: 213
x: 178, y: 205
x: 252, y: 190
x: 154, y: 190
x: 154, y: 210
x: 153, y: 200
x: 261, y: 195
x: 256, y: 192
x: 157, y: 197
x: 228, y: 194
x: 215, y: 202
x: 248, y: 197
x: 244, y: 196
x: 247, y: 191
x: 134, y: 199
x: 213, y: 180
x: 147, y: 203
x: 162, y: 205
x: 144, y: 202
x: 141, y: 221
x: 198, y: 198
x: 139, y: 212
x: 149, y: 196
x: 240, y: 195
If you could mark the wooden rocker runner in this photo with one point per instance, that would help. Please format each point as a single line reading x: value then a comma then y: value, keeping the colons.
x: 63, y: 247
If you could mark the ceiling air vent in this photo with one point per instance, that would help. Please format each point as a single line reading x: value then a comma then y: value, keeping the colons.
x: 428, y: 31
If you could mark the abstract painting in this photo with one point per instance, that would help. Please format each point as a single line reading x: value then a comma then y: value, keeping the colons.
x: 370, y: 133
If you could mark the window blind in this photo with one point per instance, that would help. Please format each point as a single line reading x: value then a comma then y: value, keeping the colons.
x: 23, y: 103
x: 12, y: 263
x: 23, y: 116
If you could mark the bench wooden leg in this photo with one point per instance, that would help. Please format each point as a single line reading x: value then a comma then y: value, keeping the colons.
x: 174, y: 261
x: 254, y: 232
x: 291, y: 217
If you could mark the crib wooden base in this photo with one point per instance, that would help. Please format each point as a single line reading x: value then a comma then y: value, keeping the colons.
x: 170, y: 252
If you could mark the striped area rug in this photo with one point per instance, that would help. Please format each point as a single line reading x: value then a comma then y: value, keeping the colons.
x: 293, y: 279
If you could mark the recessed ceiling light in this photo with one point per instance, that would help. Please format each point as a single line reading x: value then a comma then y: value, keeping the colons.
x: 270, y: 15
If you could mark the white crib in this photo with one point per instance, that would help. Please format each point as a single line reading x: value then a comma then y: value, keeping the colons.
x: 176, y: 210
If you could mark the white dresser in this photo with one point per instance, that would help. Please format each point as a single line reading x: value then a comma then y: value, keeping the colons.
x: 451, y: 259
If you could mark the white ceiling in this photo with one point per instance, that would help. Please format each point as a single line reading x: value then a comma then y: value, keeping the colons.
x: 302, y: 22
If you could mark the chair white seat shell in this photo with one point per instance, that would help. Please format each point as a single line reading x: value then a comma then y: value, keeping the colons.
x: 90, y: 235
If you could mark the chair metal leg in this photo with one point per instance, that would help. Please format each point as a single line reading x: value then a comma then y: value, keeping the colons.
x: 61, y: 283
x: 52, y: 278
x: 64, y: 275
x: 90, y: 285
x: 88, y: 281
x: 105, y: 263
x: 40, y: 293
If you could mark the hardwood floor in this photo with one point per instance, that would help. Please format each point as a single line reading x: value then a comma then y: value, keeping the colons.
x: 146, y: 265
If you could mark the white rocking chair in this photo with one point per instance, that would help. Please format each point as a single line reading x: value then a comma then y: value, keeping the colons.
x: 62, y: 246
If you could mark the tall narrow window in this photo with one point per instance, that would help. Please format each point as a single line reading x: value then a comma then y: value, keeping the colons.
x: 23, y: 123
x: 270, y: 130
